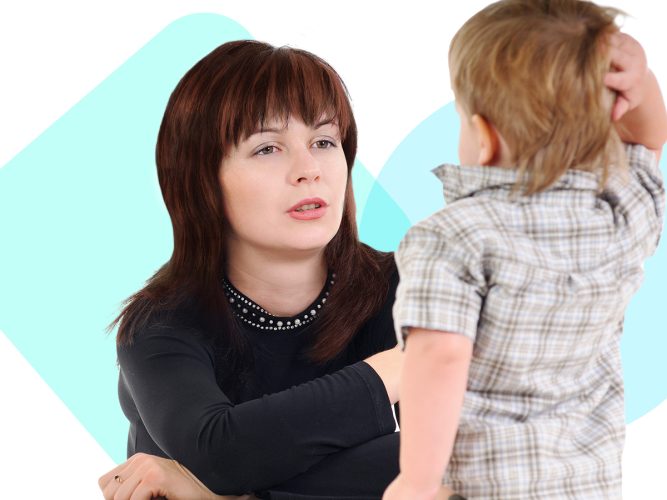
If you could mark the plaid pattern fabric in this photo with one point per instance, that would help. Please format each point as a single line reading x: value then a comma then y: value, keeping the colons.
x: 540, y: 284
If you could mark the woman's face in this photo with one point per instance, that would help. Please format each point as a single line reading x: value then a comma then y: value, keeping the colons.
x: 284, y: 187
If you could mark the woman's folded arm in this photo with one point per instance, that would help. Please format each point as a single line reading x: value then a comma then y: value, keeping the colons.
x: 234, y: 449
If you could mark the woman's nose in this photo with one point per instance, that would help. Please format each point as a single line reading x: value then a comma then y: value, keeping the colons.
x: 305, y: 168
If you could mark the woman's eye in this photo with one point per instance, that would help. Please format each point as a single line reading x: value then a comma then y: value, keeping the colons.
x: 324, y: 144
x: 266, y: 150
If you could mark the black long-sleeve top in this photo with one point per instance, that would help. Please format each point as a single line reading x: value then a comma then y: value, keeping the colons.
x: 291, y: 413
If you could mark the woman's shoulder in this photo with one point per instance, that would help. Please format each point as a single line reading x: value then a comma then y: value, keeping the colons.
x: 387, y: 263
x: 377, y: 333
x: 169, y: 328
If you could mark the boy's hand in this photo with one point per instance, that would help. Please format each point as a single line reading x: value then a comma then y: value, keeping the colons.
x: 629, y: 73
x: 400, y: 490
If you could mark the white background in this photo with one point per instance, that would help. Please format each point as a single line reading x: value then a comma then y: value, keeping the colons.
x: 392, y: 56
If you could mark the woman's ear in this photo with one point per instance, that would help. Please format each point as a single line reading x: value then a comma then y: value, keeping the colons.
x: 489, y: 140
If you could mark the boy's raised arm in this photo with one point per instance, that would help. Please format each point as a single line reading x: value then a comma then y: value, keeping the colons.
x: 639, y: 110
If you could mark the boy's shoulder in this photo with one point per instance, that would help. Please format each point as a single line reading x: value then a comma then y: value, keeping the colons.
x: 464, y: 225
x: 460, y: 215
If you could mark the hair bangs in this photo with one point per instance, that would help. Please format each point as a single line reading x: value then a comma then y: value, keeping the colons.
x: 286, y: 82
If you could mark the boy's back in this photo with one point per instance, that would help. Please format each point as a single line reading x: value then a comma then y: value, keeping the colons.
x: 540, y: 284
x: 513, y: 295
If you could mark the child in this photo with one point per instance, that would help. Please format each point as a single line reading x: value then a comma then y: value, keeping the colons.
x: 512, y: 297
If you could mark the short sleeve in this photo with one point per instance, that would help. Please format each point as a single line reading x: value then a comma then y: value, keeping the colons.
x: 639, y: 198
x: 441, y: 283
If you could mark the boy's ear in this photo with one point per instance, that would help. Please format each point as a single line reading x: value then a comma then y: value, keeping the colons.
x: 489, y: 142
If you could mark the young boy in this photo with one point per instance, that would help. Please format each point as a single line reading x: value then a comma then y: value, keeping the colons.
x: 511, y: 299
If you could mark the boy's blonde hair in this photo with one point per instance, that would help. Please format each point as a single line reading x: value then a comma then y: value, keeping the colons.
x: 535, y: 69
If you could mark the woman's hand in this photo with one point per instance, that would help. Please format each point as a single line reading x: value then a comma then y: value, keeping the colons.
x: 144, y: 477
x: 387, y: 364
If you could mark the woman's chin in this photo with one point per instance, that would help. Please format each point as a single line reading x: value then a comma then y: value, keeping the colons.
x: 310, y: 236
x: 312, y: 240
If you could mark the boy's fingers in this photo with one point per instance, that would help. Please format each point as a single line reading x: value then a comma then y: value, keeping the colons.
x: 615, y: 39
x: 618, y: 80
x: 621, y: 106
x: 624, y: 43
x: 622, y: 60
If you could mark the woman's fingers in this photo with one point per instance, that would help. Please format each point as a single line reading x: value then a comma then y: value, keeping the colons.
x: 104, y: 480
x: 127, y: 487
x: 112, y: 481
x: 121, y: 482
x: 144, y: 492
x: 146, y: 477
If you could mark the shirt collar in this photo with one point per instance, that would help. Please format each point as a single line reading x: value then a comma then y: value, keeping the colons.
x: 462, y: 182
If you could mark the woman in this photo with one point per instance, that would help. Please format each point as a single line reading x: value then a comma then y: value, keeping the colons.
x: 259, y: 356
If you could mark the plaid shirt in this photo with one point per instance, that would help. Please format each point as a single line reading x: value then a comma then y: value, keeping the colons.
x: 540, y: 284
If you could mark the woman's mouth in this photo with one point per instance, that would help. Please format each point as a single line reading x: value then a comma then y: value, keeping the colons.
x: 308, y: 209
x: 310, y: 206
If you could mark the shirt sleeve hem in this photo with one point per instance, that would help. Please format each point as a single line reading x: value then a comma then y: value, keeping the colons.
x: 378, y: 397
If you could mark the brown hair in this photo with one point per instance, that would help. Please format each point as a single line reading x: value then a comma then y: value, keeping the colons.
x: 535, y: 70
x: 217, y: 104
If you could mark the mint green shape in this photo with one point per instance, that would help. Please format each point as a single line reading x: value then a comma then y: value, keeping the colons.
x: 83, y: 224
x: 407, y: 175
x: 383, y: 223
x: 406, y: 191
x: 363, y: 183
x: 406, y: 181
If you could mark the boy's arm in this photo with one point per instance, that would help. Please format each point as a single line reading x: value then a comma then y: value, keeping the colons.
x: 639, y: 110
x: 433, y: 384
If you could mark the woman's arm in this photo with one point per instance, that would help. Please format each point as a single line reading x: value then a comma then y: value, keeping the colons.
x: 387, y: 365
x: 144, y: 477
x: 234, y: 449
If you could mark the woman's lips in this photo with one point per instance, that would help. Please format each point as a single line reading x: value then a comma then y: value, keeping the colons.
x: 308, y: 209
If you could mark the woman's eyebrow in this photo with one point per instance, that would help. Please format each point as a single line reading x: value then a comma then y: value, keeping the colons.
x: 277, y: 129
x: 327, y: 121
x: 261, y: 130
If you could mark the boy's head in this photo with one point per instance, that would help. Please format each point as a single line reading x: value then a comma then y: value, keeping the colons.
x: 533, y: 70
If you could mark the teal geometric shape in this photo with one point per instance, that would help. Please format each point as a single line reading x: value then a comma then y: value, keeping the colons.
x: 406, y: 191
x: 644, y: 343
x: 83, y: 224
x: 407, y: 175
x: 407, y: 188
x: 383, y: 223
x: 363, y: 183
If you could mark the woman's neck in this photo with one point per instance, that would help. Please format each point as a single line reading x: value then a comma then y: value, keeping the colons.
x: 283, y: 284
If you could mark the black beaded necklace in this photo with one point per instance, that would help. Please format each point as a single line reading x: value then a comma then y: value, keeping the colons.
x: 256, y: 316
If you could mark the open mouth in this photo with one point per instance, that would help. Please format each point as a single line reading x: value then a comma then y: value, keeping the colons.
x: 310, y: 206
